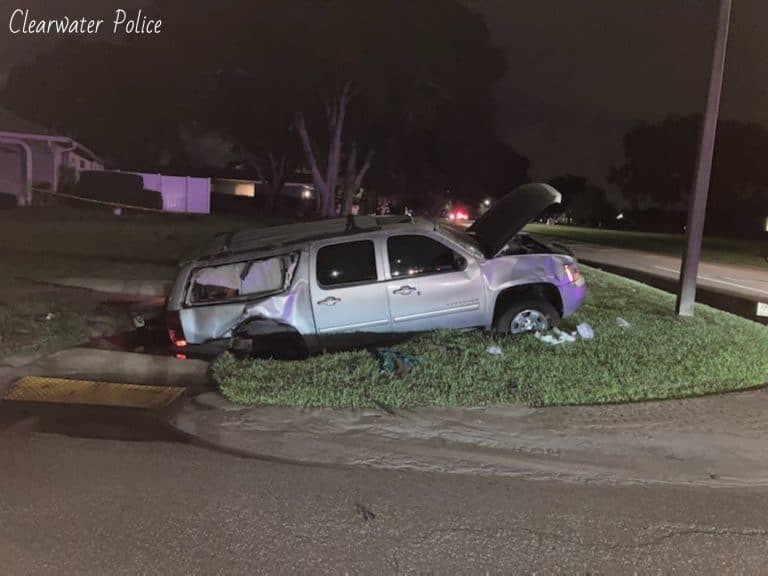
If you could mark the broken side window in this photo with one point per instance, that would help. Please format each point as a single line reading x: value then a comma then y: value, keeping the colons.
x: 242, y: 279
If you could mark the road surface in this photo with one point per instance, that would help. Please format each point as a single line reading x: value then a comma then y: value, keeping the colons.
x: 72, y: 503
x: 745, y: 281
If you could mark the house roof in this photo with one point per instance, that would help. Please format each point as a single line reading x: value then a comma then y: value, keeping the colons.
x: 10, y: 122
x: 12, y: 125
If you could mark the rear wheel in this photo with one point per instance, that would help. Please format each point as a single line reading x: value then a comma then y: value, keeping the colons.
x: 528, y: 316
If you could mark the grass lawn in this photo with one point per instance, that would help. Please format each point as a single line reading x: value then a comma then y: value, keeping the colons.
x: 45, y: 243
x: 659, y: 356
x: 41, y: 244
x: 39, y: 318
x: 717, y: 250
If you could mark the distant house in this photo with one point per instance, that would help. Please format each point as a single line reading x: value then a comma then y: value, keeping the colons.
x: 34, y: 156
x: 252, y: 188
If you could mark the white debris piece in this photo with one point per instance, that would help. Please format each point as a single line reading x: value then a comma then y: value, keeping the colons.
x: 623, y: 323
x: 585, y: 331
x: 495, y: 350
x: 564, y: 336
x: 557, y: 337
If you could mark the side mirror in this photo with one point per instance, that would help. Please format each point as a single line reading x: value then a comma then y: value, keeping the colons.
x: 459, y: 262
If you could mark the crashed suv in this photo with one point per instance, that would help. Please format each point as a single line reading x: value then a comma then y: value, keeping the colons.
x: 306, y: 287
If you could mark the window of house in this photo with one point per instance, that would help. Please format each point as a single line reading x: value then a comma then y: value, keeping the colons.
x: 242, y: 279
x: 412, y: 255
x: 82, y: 164
x: 346, y: 263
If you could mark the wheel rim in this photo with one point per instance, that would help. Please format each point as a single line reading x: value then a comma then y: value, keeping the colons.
x: 527, y: 321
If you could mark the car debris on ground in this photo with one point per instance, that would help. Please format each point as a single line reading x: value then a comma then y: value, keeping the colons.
x: 395, y: 362
x: 557, y: 336
x: 585, y: 331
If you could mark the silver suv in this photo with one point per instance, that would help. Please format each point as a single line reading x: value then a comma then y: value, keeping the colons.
x: 301, y: 288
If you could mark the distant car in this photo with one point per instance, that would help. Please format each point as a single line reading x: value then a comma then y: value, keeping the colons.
x: 306, y: 287
x: 458, y: 215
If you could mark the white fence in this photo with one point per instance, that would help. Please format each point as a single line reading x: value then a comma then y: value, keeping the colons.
x: 180, y: 193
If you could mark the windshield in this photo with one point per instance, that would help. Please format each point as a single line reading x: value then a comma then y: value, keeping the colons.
x: 466, y: 241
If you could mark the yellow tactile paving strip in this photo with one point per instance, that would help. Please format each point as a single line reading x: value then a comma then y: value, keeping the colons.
x: 92, y: 393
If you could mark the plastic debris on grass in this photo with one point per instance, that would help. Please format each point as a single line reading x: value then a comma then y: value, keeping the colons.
x: 585, y: 331
x: 395, y: 362
x: 622, y: 323
x: 494, y: 350
x: 556, y: 337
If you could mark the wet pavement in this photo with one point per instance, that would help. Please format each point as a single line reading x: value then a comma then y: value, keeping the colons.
x: 95, y: 422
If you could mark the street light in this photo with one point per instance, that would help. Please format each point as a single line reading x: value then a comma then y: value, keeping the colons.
x: 697, y: 210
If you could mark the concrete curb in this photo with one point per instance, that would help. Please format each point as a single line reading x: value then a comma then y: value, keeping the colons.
x: 719, y: 441
x: 114, y: 366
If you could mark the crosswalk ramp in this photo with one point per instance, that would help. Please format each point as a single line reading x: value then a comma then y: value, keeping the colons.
x: 42, y: 389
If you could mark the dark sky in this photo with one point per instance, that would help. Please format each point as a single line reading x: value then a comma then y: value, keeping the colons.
x: 580, y: 72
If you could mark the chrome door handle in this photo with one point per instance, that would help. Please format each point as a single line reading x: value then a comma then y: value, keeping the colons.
x: 330, y: 301
x: 404, y: 290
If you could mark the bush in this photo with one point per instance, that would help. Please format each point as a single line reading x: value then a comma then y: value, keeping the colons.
x: 118, y: 187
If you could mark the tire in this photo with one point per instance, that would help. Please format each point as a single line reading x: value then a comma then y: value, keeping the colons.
x: 527, y: 316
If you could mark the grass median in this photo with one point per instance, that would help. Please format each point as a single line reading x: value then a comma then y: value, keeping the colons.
x: 659, y: 355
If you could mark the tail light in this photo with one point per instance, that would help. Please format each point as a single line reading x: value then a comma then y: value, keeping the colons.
x: 175, y: 330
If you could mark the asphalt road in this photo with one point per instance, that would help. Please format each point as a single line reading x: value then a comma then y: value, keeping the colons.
x: 154, y: 505
x: 745, y: 281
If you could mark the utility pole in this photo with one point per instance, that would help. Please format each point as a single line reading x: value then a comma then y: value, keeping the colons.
x: 697, y: 209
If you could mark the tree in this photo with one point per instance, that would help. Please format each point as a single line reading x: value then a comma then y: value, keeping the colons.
x: 583, y: 203
x: 660, y: 159
x: 325, y: 184
x: 423, y: 73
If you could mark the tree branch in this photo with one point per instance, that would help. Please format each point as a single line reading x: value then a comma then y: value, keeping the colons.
x: 317, y: 178
x: 301, y: 126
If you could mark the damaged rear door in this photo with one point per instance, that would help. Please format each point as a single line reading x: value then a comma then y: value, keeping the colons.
x: 218, y: 295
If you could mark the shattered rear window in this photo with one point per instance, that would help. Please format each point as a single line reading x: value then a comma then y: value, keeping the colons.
x: 242, y: 279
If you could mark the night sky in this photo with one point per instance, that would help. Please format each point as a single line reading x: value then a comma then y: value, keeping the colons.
x: 580, y: 72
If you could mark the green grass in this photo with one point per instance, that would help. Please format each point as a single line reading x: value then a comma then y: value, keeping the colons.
x: 38, y: 245
x: 37, y: 318
x: 659, y: 356
x: 45, y: 243
x: 716, y: 250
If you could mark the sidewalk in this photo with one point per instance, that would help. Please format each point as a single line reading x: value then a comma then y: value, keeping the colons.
x: 110, y: 365
x: 714, y: 441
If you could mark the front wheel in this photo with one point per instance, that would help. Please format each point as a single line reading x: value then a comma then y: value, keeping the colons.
x: 529, y: 316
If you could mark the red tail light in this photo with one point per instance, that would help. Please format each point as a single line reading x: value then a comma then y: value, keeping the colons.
x: 175, y: 330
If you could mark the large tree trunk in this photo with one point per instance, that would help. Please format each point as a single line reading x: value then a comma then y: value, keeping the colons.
x: 353, y: 178
x: 317, y: 178
x: 275, y: 180
x: 326, y: 185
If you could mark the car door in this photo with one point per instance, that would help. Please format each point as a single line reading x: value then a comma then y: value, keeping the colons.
x: 347, y: 294
x: 430, y: 285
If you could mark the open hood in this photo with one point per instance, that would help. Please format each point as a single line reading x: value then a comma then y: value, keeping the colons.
x: 508, y: 216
